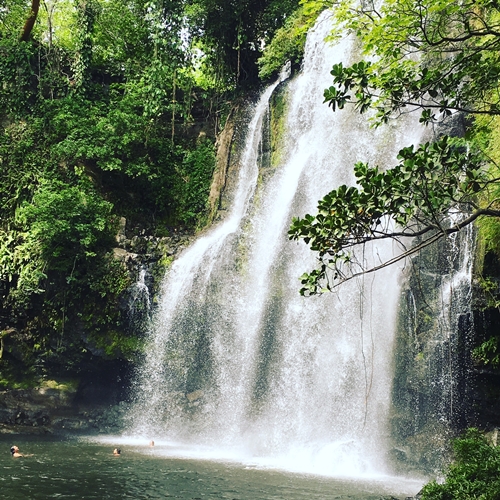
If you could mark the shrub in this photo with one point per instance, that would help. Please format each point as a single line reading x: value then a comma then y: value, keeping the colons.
x: 474, y: 475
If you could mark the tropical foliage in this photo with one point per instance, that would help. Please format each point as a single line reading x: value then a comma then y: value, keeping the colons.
x: 474, y: 474
x: 288, y: 42
x: 428, y: 56
x: 411, y: 200
x: 109, y: 109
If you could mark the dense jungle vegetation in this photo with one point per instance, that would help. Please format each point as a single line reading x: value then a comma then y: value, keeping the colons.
x: 109, y: 109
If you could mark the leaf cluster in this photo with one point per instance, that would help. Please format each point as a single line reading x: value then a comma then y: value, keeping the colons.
x: 288, y: 42
x: 411, y: 200
x: 474, y: 474
x: 428, y: 55
x: 488, y: 353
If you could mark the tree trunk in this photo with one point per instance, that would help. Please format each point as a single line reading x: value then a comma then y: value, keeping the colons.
x: 30, y: 22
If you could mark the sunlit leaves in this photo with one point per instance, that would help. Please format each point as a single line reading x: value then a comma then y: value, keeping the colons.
x: 16, y: 75
x: 474, y: 474
x: 288, y: 42
x: 66, y: 223
x: 430, y: 55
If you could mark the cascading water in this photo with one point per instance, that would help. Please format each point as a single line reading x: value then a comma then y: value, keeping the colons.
x: 454, y: 300
x: 238, y: 364
x: 432, y: 394
x: 139, y: 304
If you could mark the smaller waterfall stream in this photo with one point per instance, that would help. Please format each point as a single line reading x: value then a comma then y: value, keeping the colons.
x: 140, y: 300
x: 432, y: 393
x: 455, y: 301
x: 237, y: 363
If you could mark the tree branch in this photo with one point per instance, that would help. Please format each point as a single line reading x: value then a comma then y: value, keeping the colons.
x: 435, y: 237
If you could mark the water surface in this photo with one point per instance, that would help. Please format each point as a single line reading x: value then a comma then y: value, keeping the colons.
x: 84, y: 469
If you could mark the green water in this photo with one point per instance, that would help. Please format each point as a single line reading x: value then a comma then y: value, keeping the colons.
x: 72, y: 468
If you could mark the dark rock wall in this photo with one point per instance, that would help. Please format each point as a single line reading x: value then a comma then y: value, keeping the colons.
x: 485, y: 379
x: 433, y: 391
x: 439, y: 388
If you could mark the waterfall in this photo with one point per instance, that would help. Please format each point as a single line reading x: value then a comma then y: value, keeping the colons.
x: 432, y: 397
x: 237, y: 363
x: 454, y: 301
x: 139, y: 302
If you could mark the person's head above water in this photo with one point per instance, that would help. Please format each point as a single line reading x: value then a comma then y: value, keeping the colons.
x: 117, y: 451
x: 14, y: 450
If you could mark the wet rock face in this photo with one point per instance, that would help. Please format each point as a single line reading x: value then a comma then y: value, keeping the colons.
x: 433, y: 390
x: 146, y: 258
x: 47, y: 411
x: 137, y: 249
x: 34, y: 408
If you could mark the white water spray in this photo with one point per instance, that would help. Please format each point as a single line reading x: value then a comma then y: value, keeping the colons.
x: 238, y: 365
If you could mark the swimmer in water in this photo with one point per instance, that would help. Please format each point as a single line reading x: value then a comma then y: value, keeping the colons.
x: 117, y: 452
x: 14, y: 450
x: 151, y: 443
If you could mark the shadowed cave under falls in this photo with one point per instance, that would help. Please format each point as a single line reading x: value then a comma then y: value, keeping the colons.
x: 238, y: 365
